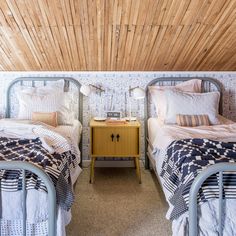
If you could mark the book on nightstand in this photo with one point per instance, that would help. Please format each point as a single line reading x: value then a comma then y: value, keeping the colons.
x: 117, y: 121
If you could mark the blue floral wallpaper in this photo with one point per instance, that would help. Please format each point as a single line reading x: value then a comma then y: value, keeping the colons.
x: 116, y: 95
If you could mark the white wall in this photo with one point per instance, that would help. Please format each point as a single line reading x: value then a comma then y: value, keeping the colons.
x: 117, y: 84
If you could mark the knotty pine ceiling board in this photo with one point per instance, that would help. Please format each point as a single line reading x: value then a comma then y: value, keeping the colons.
x: 118, y: 35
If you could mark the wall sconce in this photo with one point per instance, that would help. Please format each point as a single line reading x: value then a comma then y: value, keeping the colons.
x: 137, y: 93
x: 86, y: 90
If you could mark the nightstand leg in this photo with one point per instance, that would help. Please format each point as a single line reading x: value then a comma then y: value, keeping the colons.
x: 135, y: 167
x: 92, y: 170
x: 138, y: 172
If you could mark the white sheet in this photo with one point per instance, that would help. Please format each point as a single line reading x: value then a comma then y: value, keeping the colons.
x: 154, y: 124
x: 161, y: 136
x: 60, y: 138
x: 73, y: 131
x: 168, y: 133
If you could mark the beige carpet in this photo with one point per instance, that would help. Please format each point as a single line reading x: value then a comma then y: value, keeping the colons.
x: 116, y: 204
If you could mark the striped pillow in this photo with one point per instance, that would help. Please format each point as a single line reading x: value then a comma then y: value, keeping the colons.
x: 192, y: 120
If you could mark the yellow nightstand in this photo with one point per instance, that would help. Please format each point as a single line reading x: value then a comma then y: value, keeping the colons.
x: 115, y: 140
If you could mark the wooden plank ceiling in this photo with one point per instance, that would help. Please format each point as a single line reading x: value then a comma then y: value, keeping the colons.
x: 117, y: 35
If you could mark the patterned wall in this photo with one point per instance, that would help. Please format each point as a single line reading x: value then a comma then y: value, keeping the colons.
x: 116, y: 96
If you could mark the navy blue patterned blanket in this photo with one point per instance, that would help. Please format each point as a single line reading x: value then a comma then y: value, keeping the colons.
x: 185, y: 159
x: 57, y: 166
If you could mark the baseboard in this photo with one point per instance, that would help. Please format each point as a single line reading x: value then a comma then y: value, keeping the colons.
x: 86, y: 163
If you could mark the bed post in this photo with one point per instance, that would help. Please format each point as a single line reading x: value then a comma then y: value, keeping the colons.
x: 147, y: 164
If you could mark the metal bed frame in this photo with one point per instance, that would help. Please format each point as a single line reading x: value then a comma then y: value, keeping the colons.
x: 208, y: 84
x: 25, y: 166
x: 196, y: 185
x: 33, y: 81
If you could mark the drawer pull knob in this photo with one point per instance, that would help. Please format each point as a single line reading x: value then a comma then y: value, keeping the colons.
x: 112, y: 137
x: 117, y: 137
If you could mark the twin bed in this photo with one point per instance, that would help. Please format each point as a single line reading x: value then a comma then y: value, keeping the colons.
x: 44, y: 206
x: 177, y: 153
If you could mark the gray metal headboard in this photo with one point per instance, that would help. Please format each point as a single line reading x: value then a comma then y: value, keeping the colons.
x: 208, y: 85
x: 34, y: 80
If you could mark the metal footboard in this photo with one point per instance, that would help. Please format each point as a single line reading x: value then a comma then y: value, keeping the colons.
x: 25, y: 166
x: 216, y: 168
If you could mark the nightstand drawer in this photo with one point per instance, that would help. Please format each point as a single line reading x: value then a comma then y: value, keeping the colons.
x: 115, y: 141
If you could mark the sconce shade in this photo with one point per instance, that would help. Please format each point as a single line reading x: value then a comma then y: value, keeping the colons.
x: 85, y: 90
x: 138, y: 93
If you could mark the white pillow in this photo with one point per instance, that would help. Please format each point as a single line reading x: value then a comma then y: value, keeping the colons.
x: 45, y: 100
x: 192, y: 104
x: 71, y: 98
x: 158, y: 96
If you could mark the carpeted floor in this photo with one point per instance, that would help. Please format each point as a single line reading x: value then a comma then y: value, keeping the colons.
x: 116, y: 204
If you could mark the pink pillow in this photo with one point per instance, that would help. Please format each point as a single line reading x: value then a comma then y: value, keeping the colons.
x: 49, y: 118
x: 159, y: 98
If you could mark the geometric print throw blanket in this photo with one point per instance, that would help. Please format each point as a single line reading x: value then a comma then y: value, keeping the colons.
x: 57, y: 166
x: 184, y: 160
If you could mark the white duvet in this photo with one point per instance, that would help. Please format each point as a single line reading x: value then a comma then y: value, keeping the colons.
x: 168, y: 133
x: 164, y: 135
x: 11, y: 212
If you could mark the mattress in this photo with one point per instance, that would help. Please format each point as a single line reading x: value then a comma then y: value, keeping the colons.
x: 74, y: 133
x: 154, y: 124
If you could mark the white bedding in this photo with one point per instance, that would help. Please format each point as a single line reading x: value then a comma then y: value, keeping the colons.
x: 161, y: 136
x: 61, y: 138
x: 155, y: 124
x: 73, y: 131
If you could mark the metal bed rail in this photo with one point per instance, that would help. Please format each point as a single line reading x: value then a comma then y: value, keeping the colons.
x: 200, y: 179
x: 26, y: 166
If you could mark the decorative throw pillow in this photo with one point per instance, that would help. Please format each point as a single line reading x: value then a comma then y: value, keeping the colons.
x: 192, y: 120
x: 49, y: 118
x: 159, y: 98
x: 192, y: 104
